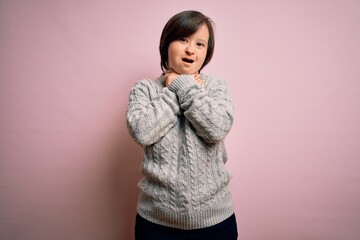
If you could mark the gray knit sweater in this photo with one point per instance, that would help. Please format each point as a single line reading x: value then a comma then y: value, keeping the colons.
x: 181, y: 129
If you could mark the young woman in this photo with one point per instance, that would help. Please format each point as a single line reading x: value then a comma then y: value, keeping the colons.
x: 181, y: 119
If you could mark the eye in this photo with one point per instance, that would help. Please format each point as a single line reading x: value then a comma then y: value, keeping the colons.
x: 200, y: 44
x: 182, y: 39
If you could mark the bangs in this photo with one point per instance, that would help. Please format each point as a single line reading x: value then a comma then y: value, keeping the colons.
x: 185, y: 28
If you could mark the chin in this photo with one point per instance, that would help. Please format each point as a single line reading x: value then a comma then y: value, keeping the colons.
x: 184, y: 71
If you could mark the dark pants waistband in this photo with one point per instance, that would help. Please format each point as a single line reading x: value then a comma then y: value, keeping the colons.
x: 146, y: 230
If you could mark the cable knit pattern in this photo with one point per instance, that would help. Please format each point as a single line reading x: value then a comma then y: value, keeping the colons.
x: 182, y: 129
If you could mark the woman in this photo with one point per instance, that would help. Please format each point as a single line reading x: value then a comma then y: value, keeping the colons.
x: 181, y: 119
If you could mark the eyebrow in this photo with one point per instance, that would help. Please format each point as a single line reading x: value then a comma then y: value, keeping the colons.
x: 200, y: 39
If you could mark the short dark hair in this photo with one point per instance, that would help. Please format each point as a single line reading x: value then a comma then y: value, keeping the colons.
x: 182, y: 25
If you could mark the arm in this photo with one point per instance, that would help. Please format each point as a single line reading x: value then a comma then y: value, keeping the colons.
x: 151, y: 115
x: 209, y: 110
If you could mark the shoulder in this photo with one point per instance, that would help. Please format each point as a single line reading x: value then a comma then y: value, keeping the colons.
x: 149, y: 84
x: 212, y: 81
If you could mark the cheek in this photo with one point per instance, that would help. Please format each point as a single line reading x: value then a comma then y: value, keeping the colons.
x: 202, y: 56
x: 171, y: 54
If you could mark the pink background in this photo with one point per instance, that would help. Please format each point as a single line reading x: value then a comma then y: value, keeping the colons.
x: 68, y: 168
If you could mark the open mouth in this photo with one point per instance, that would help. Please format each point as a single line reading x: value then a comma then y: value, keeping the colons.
x: 187, y: 60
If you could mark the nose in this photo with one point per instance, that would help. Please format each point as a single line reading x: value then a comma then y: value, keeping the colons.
x: 189, y: 49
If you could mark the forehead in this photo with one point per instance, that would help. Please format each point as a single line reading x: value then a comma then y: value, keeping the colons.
x: 202, y: 33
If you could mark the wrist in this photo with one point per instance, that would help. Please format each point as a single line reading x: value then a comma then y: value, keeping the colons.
x: 181, y: 83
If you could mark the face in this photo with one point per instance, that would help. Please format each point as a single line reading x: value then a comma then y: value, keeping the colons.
x: 187, y: 55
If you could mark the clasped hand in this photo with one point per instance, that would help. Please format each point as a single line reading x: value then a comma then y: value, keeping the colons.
x: 170, y: 75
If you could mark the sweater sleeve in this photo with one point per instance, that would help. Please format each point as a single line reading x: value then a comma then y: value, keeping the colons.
x: 210, y: 110
x: 151, y: 114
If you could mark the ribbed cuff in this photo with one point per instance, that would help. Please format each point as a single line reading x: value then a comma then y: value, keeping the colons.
x: 182, y: 83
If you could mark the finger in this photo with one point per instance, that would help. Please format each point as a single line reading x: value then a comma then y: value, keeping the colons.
x: 196, y: 77
x: 199, y: 82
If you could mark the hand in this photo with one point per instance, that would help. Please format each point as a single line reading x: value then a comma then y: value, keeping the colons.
x: 198, y: 80
x: 169, y: 76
